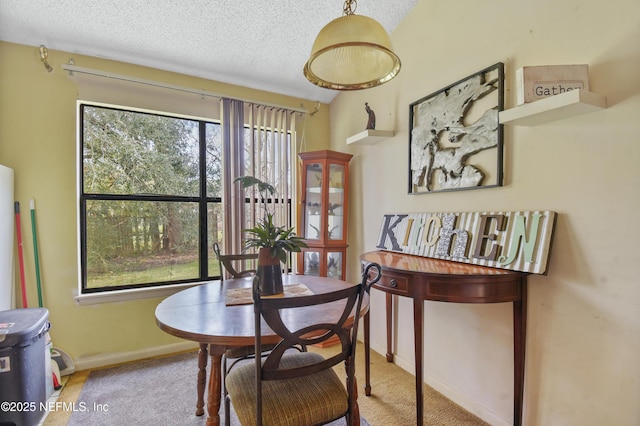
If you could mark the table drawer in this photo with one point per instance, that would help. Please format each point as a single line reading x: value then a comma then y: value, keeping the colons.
x: 394, y: 283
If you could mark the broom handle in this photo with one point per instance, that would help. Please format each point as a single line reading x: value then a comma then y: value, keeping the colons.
x: 23, y: 286
x: 32, y: 204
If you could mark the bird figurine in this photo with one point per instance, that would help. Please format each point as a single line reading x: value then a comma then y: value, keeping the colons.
x: 371, y: 123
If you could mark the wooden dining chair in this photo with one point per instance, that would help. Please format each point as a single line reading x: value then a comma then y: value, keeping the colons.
x: 234, y: 265
x: 301, y: 388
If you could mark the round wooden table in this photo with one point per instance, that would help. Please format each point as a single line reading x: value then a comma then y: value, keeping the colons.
x: 201, y: 314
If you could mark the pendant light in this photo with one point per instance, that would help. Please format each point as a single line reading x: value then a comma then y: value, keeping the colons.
x: 351, y: 52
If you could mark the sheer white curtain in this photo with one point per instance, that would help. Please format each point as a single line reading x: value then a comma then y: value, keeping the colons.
x: 258, y: 141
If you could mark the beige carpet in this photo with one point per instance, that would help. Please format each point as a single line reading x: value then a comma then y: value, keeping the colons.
x: 392, y: 400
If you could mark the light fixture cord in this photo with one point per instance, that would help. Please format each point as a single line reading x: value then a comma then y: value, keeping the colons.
x: 349, y: 7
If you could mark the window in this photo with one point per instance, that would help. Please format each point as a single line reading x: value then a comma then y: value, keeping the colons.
x: 150, y: 199
x: 156, y: 191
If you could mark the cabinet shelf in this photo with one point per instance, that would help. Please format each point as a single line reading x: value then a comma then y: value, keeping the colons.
x: 369, y: 137
x: 557, y: 107
x: 318, y: 190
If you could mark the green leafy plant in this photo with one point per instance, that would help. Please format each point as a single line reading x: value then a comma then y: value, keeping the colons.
x: 265, y: 234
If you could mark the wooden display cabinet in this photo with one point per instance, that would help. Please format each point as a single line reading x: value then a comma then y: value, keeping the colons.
x: 323, y: 221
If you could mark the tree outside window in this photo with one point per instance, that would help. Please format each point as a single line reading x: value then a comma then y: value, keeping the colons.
x: 150, y: 201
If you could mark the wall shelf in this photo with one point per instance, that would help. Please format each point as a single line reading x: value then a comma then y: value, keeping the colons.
x: 557, y: 107
x: 369, y: 137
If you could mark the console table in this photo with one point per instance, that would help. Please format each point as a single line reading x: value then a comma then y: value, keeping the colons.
x: 422, y: 278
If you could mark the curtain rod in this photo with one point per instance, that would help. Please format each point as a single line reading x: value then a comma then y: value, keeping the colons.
x: 72, y: 68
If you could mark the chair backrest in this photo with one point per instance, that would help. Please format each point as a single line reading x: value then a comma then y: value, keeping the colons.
x: 236, y: 265
x: 343, y: 324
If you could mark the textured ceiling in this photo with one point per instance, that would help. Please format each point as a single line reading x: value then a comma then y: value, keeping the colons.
x: 254, y: 43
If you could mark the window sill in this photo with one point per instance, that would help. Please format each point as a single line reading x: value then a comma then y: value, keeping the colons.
x: 129, y: 295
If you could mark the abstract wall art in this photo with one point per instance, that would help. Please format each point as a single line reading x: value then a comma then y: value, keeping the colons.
x: 456, y: 139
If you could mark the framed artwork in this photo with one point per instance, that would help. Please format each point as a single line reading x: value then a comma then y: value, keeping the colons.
x: 455, y: 140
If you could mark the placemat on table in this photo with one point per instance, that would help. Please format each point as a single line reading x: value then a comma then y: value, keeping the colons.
x: 243, y: 296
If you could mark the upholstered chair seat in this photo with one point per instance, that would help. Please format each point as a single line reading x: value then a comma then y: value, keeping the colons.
x: 301, y: 401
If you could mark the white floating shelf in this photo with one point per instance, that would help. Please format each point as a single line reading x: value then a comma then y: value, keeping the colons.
x: 369, y: 137
x: 557, y: 107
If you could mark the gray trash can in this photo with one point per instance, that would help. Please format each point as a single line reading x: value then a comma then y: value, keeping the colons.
x: 22, y: 366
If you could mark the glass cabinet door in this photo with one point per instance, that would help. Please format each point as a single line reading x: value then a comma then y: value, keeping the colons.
x: 323, y: 262
x: 313, y: 206
x: 334, y: 264
x: 311, y: 263
x: 335, y: 207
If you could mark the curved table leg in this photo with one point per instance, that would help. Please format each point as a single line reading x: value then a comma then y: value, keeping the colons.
x: 215, y: 390
x: 203, y: 353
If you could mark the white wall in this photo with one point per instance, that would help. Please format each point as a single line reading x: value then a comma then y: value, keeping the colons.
x: 583, y: 342
x: 6, y: 238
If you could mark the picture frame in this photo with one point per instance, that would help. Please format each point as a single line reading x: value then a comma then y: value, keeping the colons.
x: 456, y: 139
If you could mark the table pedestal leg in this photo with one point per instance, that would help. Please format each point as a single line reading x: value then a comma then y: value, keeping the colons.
x: 354, y: 419
x: 367, y: 347
x: 203, y: 354
x: 389, y: 306
x: 519, y: 351
x: 418, y: 317
x: 367, y: 354
x: 215, y: 389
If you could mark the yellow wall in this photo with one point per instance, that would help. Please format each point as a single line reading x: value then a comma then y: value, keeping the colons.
x: 583, y: 342
x: 38, y: 140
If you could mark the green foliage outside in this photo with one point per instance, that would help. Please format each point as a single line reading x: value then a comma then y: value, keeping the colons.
x: 152, y: 274
x: 153, y: 237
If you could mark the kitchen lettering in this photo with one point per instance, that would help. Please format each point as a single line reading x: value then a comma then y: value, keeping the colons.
x: 492, y: 239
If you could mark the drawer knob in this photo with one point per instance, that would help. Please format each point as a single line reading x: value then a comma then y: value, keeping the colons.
x: 393, y: 283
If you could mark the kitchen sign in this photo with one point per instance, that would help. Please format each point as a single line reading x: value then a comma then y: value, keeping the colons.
x: 518, y: 241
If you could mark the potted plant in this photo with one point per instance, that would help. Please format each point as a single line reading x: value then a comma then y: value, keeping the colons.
x: 273, y: 242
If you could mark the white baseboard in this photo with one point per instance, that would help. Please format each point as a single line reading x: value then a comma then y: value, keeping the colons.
x: 106, y: 359
x: 462, y: 400
x: 465, y: 402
